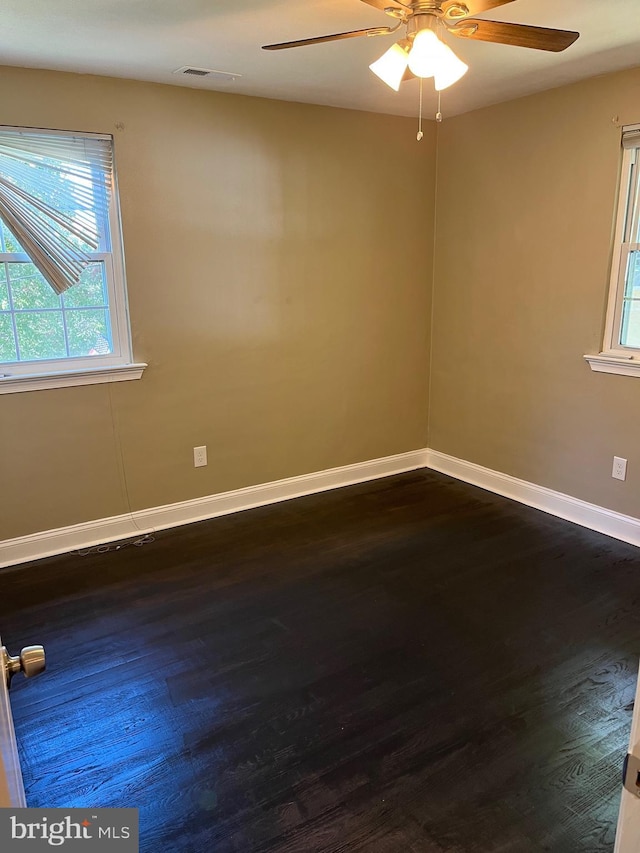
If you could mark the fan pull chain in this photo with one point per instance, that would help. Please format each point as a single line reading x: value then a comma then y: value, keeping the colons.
x: 420, y: 134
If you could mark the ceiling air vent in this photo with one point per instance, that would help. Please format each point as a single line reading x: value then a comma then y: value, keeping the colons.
x: 220, y: 76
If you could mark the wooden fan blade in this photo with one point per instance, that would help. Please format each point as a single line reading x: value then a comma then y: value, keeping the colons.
x: 385, y: 4
x: 475, y: 7
x: 519, y: 35
x: 372, y: 31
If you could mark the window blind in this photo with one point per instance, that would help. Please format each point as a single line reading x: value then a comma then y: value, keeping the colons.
x: 631, y: 136
x: 54, y: 198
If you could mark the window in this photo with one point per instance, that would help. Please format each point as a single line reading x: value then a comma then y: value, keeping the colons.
x: 63, y: 310
x: 621, y: 347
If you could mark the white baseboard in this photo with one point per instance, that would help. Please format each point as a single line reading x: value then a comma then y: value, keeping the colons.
x: 89, y: 534
x: 26, y: 548
x: 597, y: 518
x: 64, y: 539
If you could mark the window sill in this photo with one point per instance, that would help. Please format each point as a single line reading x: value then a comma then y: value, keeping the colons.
x: 613, y: 363
x: 67, y: 378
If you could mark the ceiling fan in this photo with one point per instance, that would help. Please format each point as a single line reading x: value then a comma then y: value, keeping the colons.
x: 422, y: 54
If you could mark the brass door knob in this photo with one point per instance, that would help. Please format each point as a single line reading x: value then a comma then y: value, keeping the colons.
x: 30, y: 662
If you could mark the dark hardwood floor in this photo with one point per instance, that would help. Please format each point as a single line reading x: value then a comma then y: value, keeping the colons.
x: 410, y: 664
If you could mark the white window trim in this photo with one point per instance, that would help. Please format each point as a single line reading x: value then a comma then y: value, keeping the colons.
x: 118, y: 366
x: 12, y: 384
x: 615, y: 358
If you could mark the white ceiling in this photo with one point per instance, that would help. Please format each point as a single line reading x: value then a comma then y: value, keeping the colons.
x: 149, y: 39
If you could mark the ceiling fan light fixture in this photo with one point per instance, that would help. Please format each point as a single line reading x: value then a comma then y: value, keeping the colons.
x: 391, y: 66
x: 450, y: 69
x: 424, y: 55
x: 430, y: 57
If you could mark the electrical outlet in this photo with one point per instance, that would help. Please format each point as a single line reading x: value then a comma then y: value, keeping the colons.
x: 200, y: 456
x: 619, y: 468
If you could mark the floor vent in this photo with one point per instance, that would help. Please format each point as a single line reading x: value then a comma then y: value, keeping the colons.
x: 191, y: 71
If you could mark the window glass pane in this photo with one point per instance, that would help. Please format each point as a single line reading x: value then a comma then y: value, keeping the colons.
x: 7, y: 340
x: 40, y: 335
x: 630, y: 328
x: 29, y: 288
x: 632, y: 283
x: 88, y: 332
x: 630, y: 336
x: 9, y: 242
x: 634, y: 201
x: 90, y: 291
x: 4, y: 293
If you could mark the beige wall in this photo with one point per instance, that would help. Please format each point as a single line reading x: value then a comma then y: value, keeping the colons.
x: 279, y: 273
x: 525, y: 206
